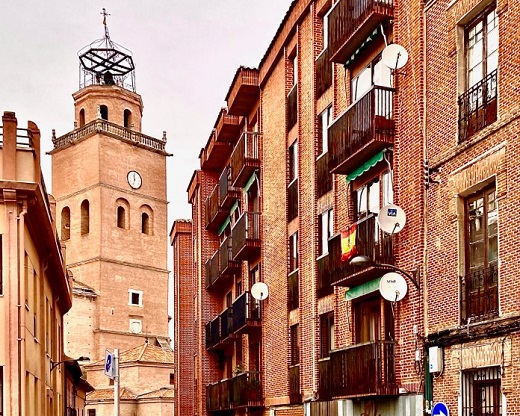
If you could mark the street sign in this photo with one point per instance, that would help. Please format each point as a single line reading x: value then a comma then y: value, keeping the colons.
x: 109, y: 364
x: 440, y: 409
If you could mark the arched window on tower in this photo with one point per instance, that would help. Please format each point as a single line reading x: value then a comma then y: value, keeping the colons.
x: 85, y: 217
x: 65, y: 223
x: 146, y: 220
x: 82, y: 117
x: 103, y: 109
x: 127, y: 115
x: 123, y: 210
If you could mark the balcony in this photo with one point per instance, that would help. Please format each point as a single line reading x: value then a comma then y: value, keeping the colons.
x: 246, y: 314
x: 213, y: 333
x: 215, y: 154
x: 220, y: 201
x: 295, y: 395
x: 325, y: 379
x: 219, y: 396
x: 480, y: 294
x: 245, y: 159
x: 362, y: 370
x: 323, y: 176
x: 244, y: 92
x: 212, y: 270
x: 292, y: 107
x: 246, y: 236
x: 364, y: 129
x: 228, y: 194
x: 227, y: 266
x: 227, y: 127
x: 293, y: 299
x: 292, y: 200
x: 352, y: 21
x: 323, y: 72
x: 219, y: 330
x: 324, y: 287
x: 478, y: 107
x: 370, y: 242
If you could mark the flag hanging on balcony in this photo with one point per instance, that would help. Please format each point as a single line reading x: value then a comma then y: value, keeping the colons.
x: 348, y: 243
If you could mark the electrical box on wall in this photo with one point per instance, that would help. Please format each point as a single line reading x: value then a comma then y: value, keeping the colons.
x: 435, y: 359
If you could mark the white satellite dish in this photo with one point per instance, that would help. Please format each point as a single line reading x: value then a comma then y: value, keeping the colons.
x: 393, y: 287
x: 391, y: 219
x: 394, y: 56
x: 260, y: 291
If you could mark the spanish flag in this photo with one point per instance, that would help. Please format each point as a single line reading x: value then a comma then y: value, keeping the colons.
x: 348, y: 243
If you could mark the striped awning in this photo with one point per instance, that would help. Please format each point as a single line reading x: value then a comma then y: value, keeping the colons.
x: 362, y: 47
x: 370, y: 163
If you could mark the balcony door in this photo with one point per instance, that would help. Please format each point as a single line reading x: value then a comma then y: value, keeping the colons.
x: 373, y: 320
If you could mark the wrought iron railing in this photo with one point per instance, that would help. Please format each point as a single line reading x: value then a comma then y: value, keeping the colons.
x: 478, y: 106
x: 368, y: 120
x: 293, y: 286
x: 292, y: 200
x: 292, y: 107
x: 480, y: 293
x: 99, y: 125
x: 295, y: 395
x: 364, y: 370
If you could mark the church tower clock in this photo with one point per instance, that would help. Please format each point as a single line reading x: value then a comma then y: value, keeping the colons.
x: 109, y: 180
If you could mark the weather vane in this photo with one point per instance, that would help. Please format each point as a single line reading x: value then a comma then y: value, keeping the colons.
x: 105, y: 14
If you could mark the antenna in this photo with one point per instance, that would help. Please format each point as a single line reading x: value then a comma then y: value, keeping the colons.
x: 394, y: 56
x: 391, y: 219
x: 260, y: 291
x: 393, y: 287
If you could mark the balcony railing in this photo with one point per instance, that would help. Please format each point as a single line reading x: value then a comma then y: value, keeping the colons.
x: 246, y: 236
x: 480, y: 294
x: 228, y: 194
x: 324, y: 287
x: 323, y: 176
x: 352, y: 21
x: 228, y: 267
x: 293, y: 299
x: 295, y: 395
x: 366, y: 369
x: 370, y: 242
x: 292, y: 200
x: 325, y: 377
x: 247, y: 389
x: 323, y: 72
x: 212, y: 270
x: 213, y: 333
x: 292, y: 107
x: 219, y: 396
x: 478, y: 106
x: 246, y: 314
x: 226, y: 324
x: 364, y: 129
x: 219, y: 329
x: 245, y: 158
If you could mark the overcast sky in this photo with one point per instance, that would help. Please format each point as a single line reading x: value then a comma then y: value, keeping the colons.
x: 186, y: 54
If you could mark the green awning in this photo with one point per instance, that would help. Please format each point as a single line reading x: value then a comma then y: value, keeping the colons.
x: 250, y: 182
x: 362, y: 47
x: 361, y: 290
x: 370, y: 163
x: 224, y: 225
x: 234, y: 207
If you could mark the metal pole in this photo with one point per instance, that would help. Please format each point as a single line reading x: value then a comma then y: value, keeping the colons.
x: 116, y: 382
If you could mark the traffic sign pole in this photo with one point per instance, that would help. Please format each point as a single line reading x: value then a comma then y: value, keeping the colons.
x: 116, y: 382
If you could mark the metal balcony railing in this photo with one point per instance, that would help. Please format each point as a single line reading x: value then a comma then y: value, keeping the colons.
x: 246, y: 313
x: 364, y: 129
x: 246, y: 236
x: 228, y: 194
x: 245, y: 158
x: 213, y: 333
x: 219, y: 396
x: 247, y: 389
x: 480, y: 293
x: 228, y: 267
x: 478, y: 106
x: 366, y: 369
x: 212, y: 270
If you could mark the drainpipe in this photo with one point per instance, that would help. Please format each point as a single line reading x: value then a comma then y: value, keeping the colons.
x: 21, y: 303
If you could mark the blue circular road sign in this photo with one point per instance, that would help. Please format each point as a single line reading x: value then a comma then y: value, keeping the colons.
x: 440, y: 409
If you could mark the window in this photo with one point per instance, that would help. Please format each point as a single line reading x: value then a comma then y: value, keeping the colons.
x: 481, y: 392
x: 145, y: 223
x: 324, y: 123
x: 136, y: 326
x: 121, y: 217
x: 325, y: 230
x: 127, y: 119
x: 326, y: 334
x: 85, y: 217
x: 65, y: 223
x: 295, y: 344
x: 370, y: 321
x: 82, y: 117
x: 295, y: 69
x: 325, y: 30
x: 376, y: 73
x: 91, y: 412
x: 293, y: 252
x: 135, y: 297
x: 293, y: 161
x: 480, y: 297
x: 172, y: 378
x: 477, y: 105
x: 103, y: 112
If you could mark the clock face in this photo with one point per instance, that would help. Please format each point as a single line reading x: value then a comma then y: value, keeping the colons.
x: 134, y: 179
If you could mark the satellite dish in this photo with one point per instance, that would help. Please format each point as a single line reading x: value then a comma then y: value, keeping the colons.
x: 260, y: 291
x: 393, y: 287
x: 391, y: 219
x: 394, y: 56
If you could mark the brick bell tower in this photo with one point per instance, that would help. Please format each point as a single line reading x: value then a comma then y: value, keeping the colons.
x: 109, y: 180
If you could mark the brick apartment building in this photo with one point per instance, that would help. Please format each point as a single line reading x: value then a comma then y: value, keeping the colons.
x: 35, y: 290
x: 109, y: 180
x: 314, y: 143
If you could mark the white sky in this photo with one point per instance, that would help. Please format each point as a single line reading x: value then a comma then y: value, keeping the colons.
x: 186, y: 54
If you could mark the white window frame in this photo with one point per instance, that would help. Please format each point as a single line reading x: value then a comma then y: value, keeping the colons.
x: 325, y: 121
x: 133, y: 292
